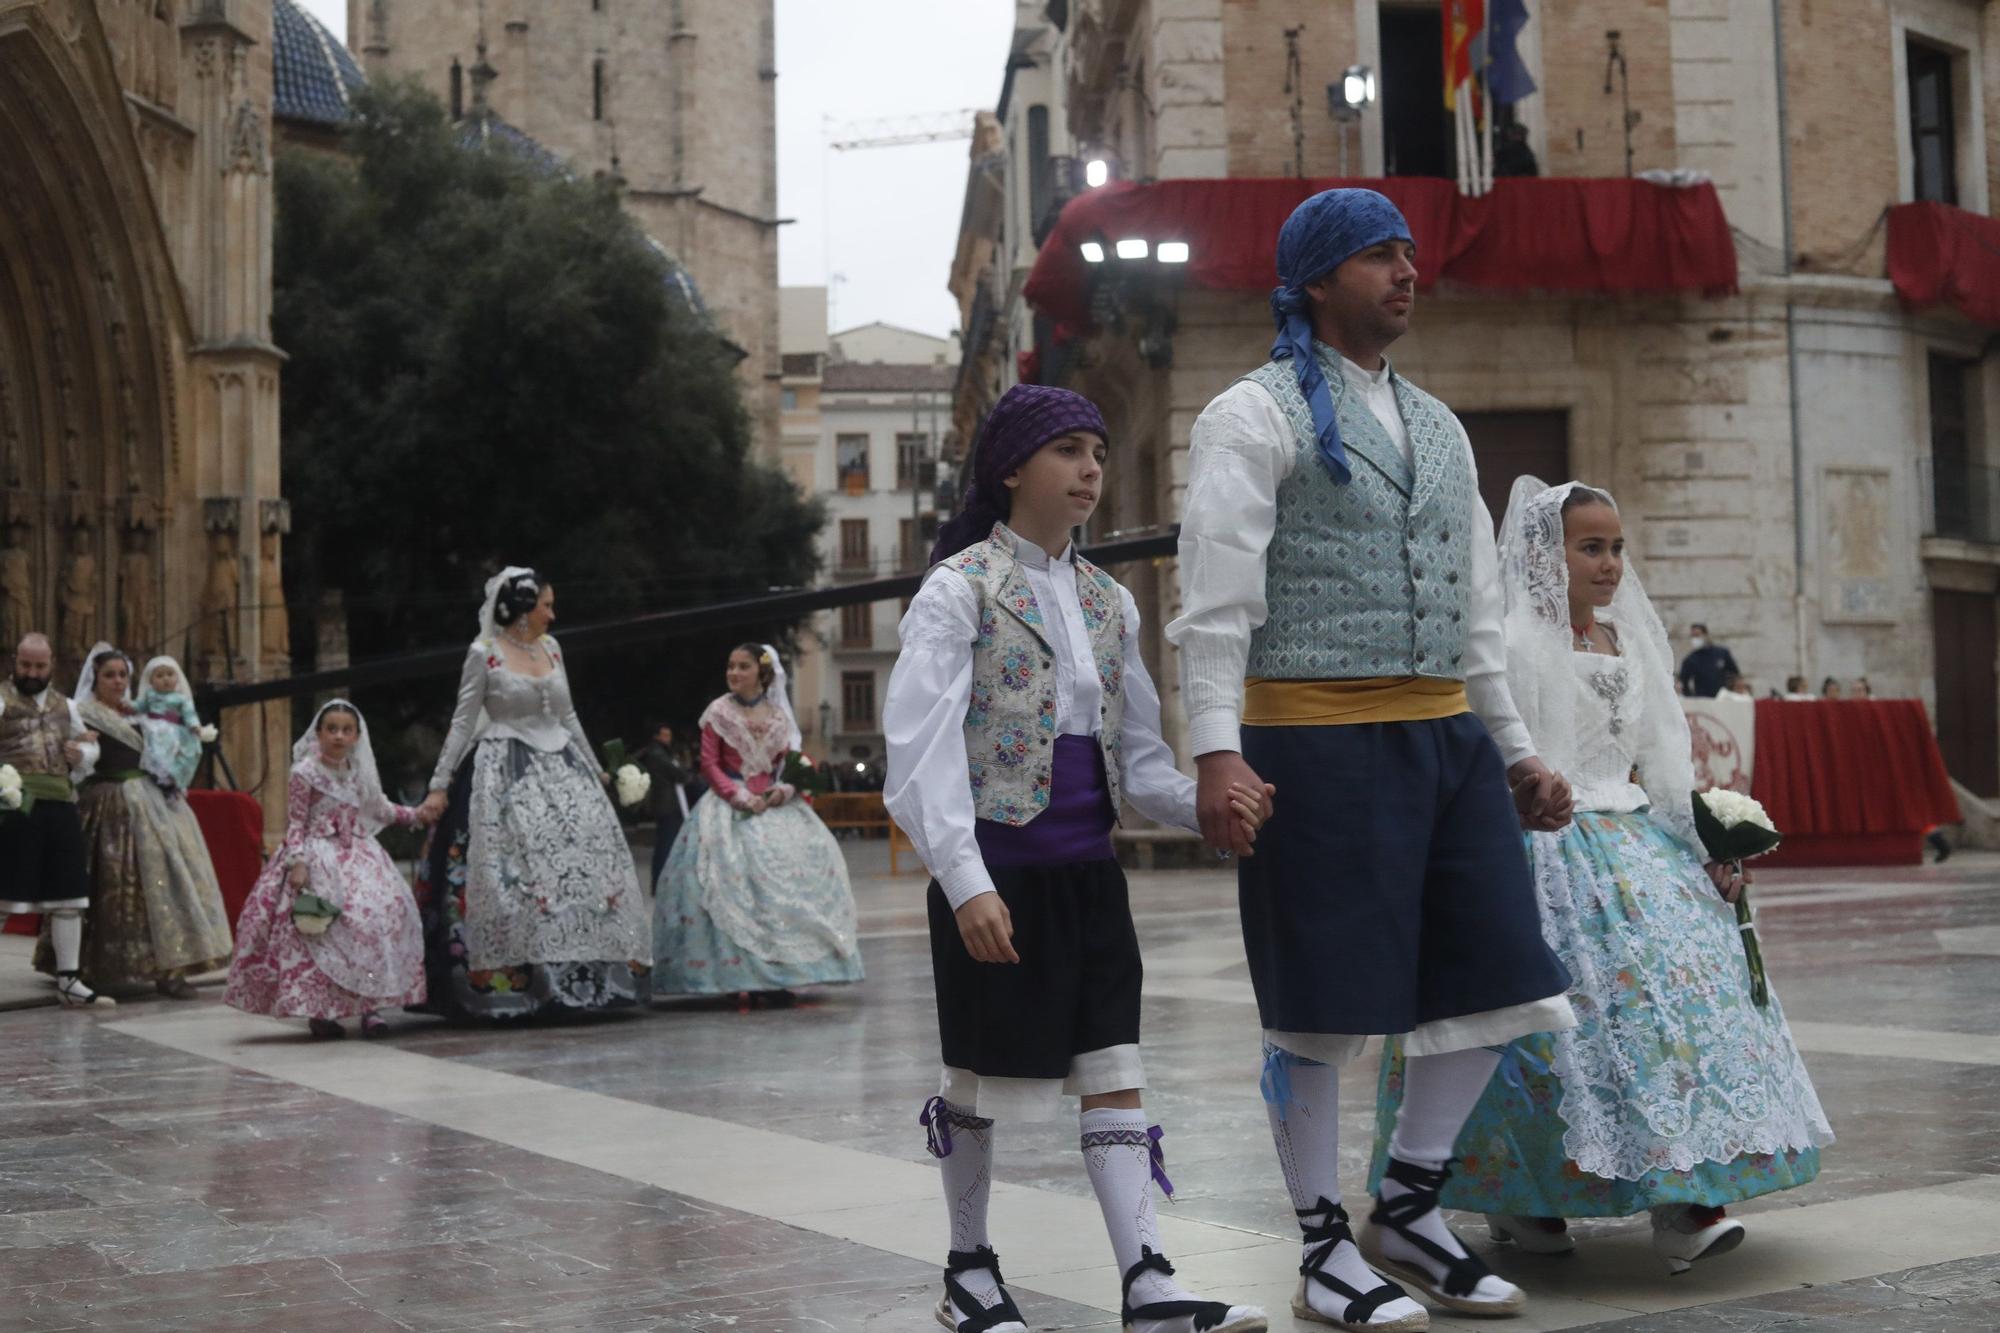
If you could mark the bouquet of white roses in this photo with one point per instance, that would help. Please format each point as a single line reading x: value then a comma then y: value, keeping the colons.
x: 633, y: 784
x: 1733, y: 828
x: 13, y: 799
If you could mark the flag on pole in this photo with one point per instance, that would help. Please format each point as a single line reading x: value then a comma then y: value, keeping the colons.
x: 1507, y: 76
x: 1464, y: 24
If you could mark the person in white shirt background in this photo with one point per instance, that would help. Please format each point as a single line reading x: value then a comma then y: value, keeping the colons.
x: 1018, y: 716
x: 1340, y: 638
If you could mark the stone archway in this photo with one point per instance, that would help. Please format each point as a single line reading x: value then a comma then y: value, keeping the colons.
x: 92, y: 328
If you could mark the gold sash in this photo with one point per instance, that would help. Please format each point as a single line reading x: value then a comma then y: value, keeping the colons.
x: 1269, y: 702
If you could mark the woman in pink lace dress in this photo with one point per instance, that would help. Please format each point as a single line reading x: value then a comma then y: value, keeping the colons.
x: 372, y: 953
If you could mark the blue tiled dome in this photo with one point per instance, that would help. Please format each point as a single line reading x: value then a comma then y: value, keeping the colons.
x: 312, y: 74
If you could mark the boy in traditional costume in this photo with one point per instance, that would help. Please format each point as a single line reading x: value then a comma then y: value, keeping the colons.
x: 1018, y: 716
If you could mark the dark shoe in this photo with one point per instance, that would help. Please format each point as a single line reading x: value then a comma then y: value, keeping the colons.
x: 372, y: 1025
x: 1457, y: 1289
x: 175, y: 988
x: 75, y: 995
x: 999, y: 1317
x: 326, y: 1029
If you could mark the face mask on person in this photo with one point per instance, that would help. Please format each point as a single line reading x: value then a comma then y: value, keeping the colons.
x: 1699, y: 641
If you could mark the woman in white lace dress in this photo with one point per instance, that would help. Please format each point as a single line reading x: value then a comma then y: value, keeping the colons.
x: 754, y: 899
x: 530, y: 898
x: 1676, y: 1093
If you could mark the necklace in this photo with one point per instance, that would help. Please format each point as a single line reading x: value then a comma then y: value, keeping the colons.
x: 525, y: 645
x: 742, y: 702
x: 1582, y: 633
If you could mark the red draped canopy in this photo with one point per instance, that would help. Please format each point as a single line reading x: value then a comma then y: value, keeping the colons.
x: 1530, y: 233
x: 1940, y: 255
x: 1850, y: 783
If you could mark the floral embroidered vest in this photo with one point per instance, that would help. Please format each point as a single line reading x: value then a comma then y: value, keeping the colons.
x: 33, y: 742
x: 1010, y: 723
x: 1373, y: 578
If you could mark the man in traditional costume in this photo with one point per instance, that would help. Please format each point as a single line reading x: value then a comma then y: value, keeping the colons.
x: 1341, y: 640
x: 42, y: 854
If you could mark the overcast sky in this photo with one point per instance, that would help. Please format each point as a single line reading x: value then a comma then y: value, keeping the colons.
x: 885, y: 219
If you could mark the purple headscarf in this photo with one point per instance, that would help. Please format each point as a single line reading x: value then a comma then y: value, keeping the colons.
x: 1027, y: 417
x: 1321, y: 234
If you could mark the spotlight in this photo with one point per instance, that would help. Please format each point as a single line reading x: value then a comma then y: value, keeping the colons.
x: 1353, y: 94
x: 1171, y: 252
x: 1132, y: 247
x: 1096, y: 172
x: 1093, y: 253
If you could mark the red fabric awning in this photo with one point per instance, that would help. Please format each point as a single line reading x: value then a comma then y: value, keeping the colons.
x: 1530, y: 233
x: 1944, y: 255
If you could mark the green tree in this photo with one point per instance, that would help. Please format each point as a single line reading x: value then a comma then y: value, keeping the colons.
x: 489, y: 367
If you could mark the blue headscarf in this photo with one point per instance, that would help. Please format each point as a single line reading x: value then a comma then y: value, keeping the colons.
x: 1320, y: 235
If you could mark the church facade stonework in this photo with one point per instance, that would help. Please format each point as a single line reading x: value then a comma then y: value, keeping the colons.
x: 138, y: 382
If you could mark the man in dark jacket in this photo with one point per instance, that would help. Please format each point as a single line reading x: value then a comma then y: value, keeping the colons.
x: 662, y: 764
x: 1704, y: 669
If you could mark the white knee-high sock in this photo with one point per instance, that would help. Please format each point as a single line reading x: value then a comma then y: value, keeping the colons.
x: 1439, y: 1092
x: 1302, y: 1100
x: 1118, y: 1155
x: 66, y: 938
x: 967, y: 1170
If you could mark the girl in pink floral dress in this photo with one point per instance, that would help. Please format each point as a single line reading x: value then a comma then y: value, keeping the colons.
x: 331, y: 929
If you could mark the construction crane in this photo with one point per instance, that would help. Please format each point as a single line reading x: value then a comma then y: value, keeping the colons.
x: 897, y: 131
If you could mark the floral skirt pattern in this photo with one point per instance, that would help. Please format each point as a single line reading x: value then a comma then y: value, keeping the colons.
x: 1673, y: 1088
x: 156, y: 911
x: 370, y: 958
x: 752, y: 903
x: 519, y: 988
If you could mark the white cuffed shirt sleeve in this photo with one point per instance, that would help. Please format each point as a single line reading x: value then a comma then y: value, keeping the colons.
x: 92, y: 751
x: 1153, y: 784
x: 929, y: 783
x: 1241, y: 448
x: 1485, y: 662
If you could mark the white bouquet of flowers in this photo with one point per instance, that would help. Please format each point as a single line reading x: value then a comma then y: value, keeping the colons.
x: 633, y: 784
x: 11, y: 795
x: 207, y: 733
x: 1735, y: 827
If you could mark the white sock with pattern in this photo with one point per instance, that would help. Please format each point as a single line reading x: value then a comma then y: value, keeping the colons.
x: 968, y: 1182
x: 1305, y: 1127
x: 1116, y: 1152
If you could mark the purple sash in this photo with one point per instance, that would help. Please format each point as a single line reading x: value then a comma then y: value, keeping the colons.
x: 1075, y: 827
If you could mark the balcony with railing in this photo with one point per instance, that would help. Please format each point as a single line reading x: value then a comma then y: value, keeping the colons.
x: 1961, y: 500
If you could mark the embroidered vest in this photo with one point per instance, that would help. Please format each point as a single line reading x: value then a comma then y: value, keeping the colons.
x: 1373, y: 578
x: 1010, y: 723
x: 33, y: 742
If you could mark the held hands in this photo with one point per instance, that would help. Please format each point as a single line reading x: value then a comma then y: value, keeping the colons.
x: 296, y: 876
x: 1231, y: 801
x: 73, y: 750
x: 987, y: 929
x: 1729, y: 878
x: 1541, y: 796
x: 432, y: 809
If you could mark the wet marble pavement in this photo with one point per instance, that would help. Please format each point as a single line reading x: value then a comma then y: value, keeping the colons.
x: 176, y: 1165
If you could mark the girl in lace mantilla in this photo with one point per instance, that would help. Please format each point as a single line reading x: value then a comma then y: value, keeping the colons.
x: 1018, y: 714
x: 330, y: 931
x: 1675, y: 1094
x: 754, y: 897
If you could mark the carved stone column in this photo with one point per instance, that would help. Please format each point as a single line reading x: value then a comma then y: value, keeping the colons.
x: 77, y: 594
x: 274, y: 629
x: 218, y: 633
x: 139, y: 627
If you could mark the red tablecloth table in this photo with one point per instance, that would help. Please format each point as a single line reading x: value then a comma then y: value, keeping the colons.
x: 1850, y: 782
